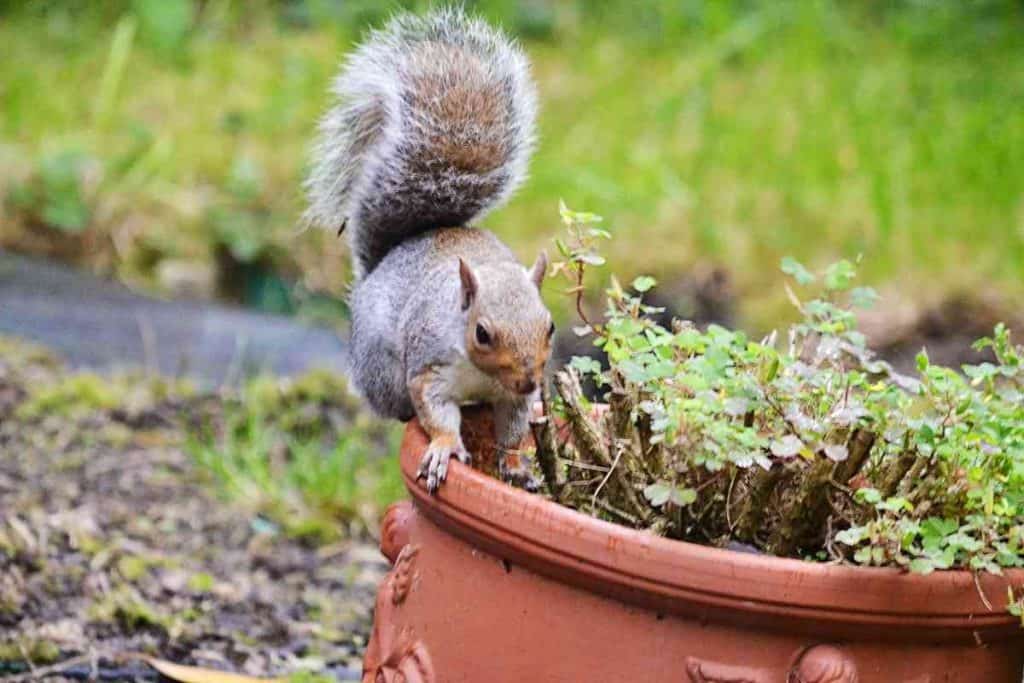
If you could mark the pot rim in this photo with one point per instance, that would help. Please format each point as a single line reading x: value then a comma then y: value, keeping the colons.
x: 681, y: 577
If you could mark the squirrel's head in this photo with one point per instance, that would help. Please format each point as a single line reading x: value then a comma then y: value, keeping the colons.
x: 508, y: 328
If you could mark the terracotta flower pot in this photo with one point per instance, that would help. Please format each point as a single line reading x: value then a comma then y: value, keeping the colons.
x: 492, y: 584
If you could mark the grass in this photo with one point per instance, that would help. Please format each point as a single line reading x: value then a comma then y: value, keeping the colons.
x: 302, y: 455
x: 730, y: 133
x: 307, y: 487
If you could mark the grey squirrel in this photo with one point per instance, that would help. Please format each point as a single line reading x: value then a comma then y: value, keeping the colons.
x: 433, y: 127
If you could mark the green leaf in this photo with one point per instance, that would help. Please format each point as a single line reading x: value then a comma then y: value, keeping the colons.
x: 797, y: 271
x: 644, y: 283
x: 770, y: 369
x: 836, y: 452
x: 938, y: 527
x: 787, y: 447
x: 896, y: 504
x: 851, y: 536
x: 922, y: 565
x: 683, y: 497
x: 564, y: 213
x: 868, y: 495
x: 585, y: 217
x: 563, y: 248
x: 657, y: 494
x: 570, y: 217
x: 922, y: 361
x: 586, y: 365
x: 839, y: 275
x: 863, y: 297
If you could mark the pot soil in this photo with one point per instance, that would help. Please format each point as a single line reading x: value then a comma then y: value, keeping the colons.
x: 490, y: 583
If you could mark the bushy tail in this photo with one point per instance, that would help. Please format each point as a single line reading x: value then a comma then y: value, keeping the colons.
x: 433, y: 127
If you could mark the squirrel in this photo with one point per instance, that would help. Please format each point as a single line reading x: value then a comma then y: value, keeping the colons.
x: 432, y: 128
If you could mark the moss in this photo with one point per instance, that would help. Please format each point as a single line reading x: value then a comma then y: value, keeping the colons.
x: 309, y: 677
x: 322, y: 385
x: 200, y: 582
x: 82, y: 393
x: 89, y: 545
x: 132, y: 567
x: 314, y: 529
x: 8, y: 548
x: 36, y: 651
x: 21, y: 354
x: 302, y: 403
x: 12, y: 599
x: 244, y: 638
x: 189, y: 614
x: 126, y: 607
x: 73, y: 395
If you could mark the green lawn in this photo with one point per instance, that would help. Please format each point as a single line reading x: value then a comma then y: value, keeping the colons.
x: 733, y: 134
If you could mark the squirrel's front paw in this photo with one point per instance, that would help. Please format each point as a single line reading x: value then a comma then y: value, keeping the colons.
x: 516, y: 468
x: 434, y: 465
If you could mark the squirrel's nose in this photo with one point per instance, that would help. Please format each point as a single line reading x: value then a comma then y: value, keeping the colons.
x: 526, y: 386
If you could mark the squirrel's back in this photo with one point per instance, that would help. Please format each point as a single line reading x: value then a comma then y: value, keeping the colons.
x: 433, y: 128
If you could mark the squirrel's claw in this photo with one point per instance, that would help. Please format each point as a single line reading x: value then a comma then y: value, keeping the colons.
x: 514, y: 468
x: 434, y: 465
x: 522, y: 480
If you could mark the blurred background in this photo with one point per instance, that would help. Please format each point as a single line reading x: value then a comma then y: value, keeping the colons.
x: 163, y: 142
x: 151, y: 161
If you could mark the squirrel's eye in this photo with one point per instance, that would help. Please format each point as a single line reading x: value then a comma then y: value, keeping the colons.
x: 551, y: 331
x: 483, y: 337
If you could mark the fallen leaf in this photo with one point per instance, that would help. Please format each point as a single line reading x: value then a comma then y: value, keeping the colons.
x: 196, y: 674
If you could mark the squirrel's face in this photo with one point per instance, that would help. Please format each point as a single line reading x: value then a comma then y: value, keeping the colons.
x: 508, y: 328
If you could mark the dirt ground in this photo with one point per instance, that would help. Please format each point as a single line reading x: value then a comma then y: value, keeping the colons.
x: 113, y: 542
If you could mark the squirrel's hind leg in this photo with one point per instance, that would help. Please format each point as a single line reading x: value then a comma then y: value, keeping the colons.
x: 376, y: 365
x: 441, y: 419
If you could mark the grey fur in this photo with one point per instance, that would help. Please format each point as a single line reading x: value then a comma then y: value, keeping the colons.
x: 433, y: 127
x: 407, y: 317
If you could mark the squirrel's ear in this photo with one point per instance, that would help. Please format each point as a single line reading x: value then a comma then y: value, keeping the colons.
x: 469, y: 283
x: 539, y: 269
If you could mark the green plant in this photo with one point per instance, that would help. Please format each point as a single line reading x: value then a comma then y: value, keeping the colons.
x: 801, y: 444
x: 165, y: 23
x: 56, y: 195
x: 237, y: 221
x: 1016, y: 605
x: 296, y: 455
